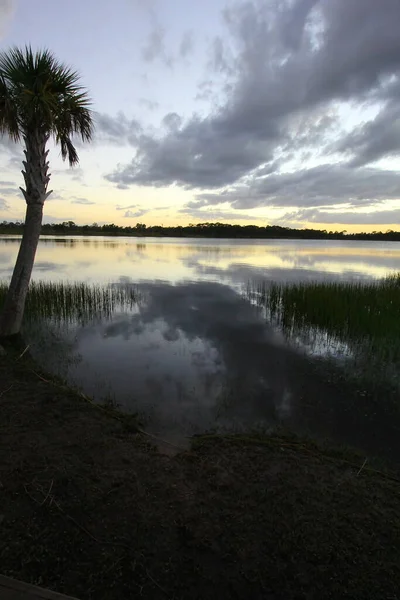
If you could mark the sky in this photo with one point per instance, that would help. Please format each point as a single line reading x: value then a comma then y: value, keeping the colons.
x: 282, y: 112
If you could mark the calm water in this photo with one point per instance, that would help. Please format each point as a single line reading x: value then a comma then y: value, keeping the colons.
x: 195, y: 353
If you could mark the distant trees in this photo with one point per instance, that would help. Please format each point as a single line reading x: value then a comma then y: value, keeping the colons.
x: 205, y: 230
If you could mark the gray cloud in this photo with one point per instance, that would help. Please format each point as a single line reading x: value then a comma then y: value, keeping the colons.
x: 118, y: 207
x: 75, y: 173
x: 3, y: 204
x: 140, y: 211
x: 324, y: 185
x: 117, y: 130
x: 205, y: 90
x: 221, y: 60
x: 8, y: 146
x: 14, y: 162
x: 313, y: 215
x: 376, y: 139
x: 137, y: 213
x: 55, y: 196
x: 84, y: 201
x: 217, y: 215
x: 149, y: 104
x: 10, y: 191
x: 283, y: 73
x: 172, y: 122
x: 186, y: 46
x: 155, y: 47
x: 7, y: 8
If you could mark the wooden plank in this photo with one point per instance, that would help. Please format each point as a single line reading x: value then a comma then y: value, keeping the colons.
x: 11, y: 589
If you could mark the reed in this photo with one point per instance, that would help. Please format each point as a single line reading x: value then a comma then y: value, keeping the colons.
x: 363, y: 315
x: 74, y: 302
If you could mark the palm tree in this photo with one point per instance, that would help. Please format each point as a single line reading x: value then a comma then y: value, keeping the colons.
x: 39, y: 98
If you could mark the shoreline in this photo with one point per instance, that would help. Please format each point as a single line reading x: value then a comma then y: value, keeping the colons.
x: 349, y: 238
x: 91, y: 508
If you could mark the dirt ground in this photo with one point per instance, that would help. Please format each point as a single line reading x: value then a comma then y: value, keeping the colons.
x: 90, y: 508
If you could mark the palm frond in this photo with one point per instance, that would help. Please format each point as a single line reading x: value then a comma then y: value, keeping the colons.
x: 39, y: 93
x: 9, y: 124
x: 68, y: 150
x: 76, y: 110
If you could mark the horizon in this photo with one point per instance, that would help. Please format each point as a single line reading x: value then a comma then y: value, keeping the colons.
x: 143, y: 227
x: 234, y: 112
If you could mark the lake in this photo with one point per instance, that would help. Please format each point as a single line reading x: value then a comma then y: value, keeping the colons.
x: 195, y: 351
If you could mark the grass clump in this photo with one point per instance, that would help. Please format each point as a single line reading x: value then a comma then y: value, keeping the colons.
x: 72, y: 302
x: 351, y: 311
x: 365, y: 316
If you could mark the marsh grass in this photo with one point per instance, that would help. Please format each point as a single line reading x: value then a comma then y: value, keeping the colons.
x: 75, y: 302
x: 363, y: 316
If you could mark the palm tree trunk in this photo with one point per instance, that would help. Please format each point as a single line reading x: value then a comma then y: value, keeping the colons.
x: 13, y: 309
x: 36, y: 180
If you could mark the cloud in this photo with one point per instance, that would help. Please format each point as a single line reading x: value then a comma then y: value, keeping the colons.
x: 324, y: 185
x: 8, y: 146
x: 118, y: 130
x: 380, y: 217
x: 155, y: 47
x: 140, y: 211
x: 74, y: 173
x: 4, y: 205
x: 172, y: 121
x: 9, y: 191
x: 149, y: 104
x: 217, y: 215
x: 119, y: 207
x: 84, y: 201
x: 137, y: 213
x: 7, y: 8
x: 376, y: 139
x: 14, y: 161
x: 191, y: 157
x: 221, y: 58
x: 55, y: 196
x: 186, y: 47
x: 286, y: 77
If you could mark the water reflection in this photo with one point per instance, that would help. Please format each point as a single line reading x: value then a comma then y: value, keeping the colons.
x: 149, y: 259
x: 195, y: 353
x: 198, y: 355
x: 192, y: 352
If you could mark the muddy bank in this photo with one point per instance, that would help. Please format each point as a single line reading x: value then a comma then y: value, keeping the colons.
x: 91, y: 508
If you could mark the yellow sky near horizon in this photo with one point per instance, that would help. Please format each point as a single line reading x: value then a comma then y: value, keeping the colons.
x: 162, y: 206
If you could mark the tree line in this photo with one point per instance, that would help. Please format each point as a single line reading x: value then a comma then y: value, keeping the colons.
x: 208, y: 230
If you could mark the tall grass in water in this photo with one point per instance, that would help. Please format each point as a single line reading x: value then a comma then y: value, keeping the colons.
x: 363, y: 315
x: 74, y: 302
